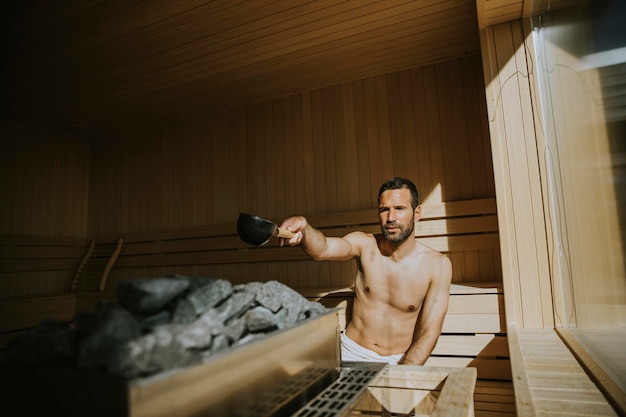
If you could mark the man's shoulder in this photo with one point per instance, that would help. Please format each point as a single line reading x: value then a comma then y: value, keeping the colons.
x: 427, y: 250
x: 435, y: 258
x: 360, y: 236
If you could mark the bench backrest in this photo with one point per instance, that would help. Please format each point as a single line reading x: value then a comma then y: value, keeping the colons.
x: 19, y: 253
x: 467, y: 231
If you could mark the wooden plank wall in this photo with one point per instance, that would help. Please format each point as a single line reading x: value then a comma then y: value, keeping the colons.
x: 321, y: 151
x: 43, y: 193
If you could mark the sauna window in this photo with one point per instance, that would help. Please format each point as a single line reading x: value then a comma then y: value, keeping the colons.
x: 581, y: 71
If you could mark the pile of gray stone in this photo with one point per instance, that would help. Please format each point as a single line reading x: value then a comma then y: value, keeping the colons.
x: 158, y: 324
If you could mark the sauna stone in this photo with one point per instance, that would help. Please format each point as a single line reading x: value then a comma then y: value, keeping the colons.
x: 163, y: 323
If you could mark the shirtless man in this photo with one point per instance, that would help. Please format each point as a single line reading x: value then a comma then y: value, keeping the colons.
x: 401, y: 286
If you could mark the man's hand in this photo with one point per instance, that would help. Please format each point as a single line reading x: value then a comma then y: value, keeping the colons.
x: 296, y: 225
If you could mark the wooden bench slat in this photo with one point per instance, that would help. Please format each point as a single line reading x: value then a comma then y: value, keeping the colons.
x: 474, y: 323
x: 494, y: 398
x: 33, y: 303
x: 460, y: 243
x: 25, y: 321
x: 476, y: 303
x: 478, y: 345
x: 445, y: 227
x: 449, y: 243
x: 41, y: 240
x: 427, y: 228
x: 186, y: 245
x: 24, y: 312
x: 37, y: 252
x: 194, y: 232
x: 276, y: 254
x: 43, y: 264
x: 489, y: 407
x: 478, y: 206
x: 499, y: 369
x: 487, y: 287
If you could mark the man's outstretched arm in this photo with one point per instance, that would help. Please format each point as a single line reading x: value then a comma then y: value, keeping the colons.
x: 315, y: 244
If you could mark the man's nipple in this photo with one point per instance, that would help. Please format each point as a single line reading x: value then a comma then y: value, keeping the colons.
x: 367, y: 289
x: 411, y: 307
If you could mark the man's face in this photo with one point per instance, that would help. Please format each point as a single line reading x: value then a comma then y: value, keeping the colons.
x: 397, y: 217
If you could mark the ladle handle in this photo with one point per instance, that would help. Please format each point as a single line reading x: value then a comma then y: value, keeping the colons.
x: 283, y: 233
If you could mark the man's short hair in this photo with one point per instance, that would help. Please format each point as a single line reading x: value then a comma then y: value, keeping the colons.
x: 397, y: 183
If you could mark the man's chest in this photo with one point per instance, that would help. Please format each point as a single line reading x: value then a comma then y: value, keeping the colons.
x: 401, y: 285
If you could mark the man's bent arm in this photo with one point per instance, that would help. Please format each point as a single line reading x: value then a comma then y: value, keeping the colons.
x: 430, y: 321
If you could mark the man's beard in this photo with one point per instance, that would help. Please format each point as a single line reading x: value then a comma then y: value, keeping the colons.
x: 406, y: 231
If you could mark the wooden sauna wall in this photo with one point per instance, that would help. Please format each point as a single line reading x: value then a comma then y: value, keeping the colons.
x: 322, y: 151
x: 43, y: 192
x: 525, y: 264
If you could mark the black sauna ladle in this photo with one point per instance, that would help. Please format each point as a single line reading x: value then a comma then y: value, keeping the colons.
x: 257, y: 231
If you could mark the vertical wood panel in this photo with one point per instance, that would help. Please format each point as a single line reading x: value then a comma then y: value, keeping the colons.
x: 374, y: 104
x: 331, y: 162
x: 431, y: 96
x: 307, y: 136
x: 441, y: 103
x: 351, y: 146
x: 44, y: 188
x: 384, y: 134
x: 520, y: 209
x: 44, y: 185
x: 423, y: 138
x: 461, y: 148
x: 287, y: 164
x: 362, y: 139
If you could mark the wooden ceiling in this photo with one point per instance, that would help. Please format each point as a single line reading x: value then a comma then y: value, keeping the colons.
x: 103, y: 65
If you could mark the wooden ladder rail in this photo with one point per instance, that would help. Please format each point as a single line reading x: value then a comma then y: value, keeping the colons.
x: 94, y: 270
x: 83, y: 263
x: 109, y: 265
